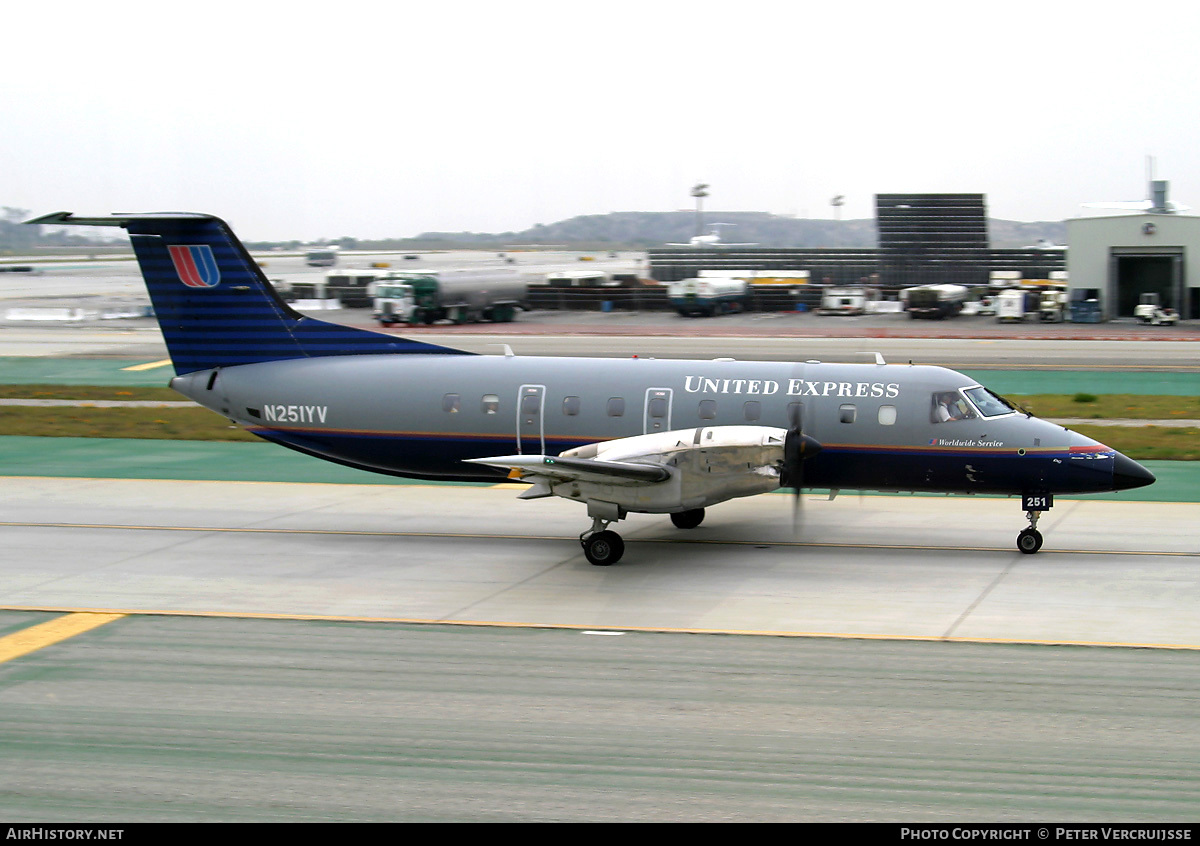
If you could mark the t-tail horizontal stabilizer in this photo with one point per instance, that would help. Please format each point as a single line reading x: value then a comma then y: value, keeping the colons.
x: 215, y: 306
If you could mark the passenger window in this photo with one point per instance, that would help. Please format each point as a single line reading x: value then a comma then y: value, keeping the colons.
x: 616, y: 406
x: 753, y: 411
x: 491, y: 404
x: 847, y: 412
x: 708, y: 409
x: 887, y: 415
x: 658, y: 407
x: 571, y: 406
x: 451, y: 403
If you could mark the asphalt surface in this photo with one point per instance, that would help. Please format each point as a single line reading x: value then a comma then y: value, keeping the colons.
x: 311, y: 653
x: 304, y: 652
x: 207, y: 720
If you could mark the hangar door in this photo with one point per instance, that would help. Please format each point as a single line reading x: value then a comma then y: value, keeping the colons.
x: 1137, y: 272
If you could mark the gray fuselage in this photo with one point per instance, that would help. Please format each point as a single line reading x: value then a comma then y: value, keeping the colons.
x: 422, y: 415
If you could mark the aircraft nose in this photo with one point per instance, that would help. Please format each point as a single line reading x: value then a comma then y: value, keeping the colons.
x: 1127, y: 474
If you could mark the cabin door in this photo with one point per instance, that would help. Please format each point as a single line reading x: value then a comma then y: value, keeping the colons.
x: 531, y: 436
x: 656, y: 413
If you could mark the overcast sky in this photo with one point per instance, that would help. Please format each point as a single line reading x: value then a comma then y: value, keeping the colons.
x: 308, y: 120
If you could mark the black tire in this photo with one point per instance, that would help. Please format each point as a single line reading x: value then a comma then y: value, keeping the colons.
x: 603, y: 548
x: 688, y: 519
x: 1029, y: 541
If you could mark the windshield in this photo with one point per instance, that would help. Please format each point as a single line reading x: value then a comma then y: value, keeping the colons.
x: 989, y: 404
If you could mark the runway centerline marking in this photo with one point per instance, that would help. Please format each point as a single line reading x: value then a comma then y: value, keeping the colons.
x: 52, y: 631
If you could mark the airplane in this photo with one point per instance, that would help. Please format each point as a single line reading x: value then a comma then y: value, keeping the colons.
x: 1148, y: 206
x: 616, y: 435
x: 712, y: 239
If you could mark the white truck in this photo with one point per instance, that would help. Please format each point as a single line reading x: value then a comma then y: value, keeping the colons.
x: 1054, y: 306
x: 1150, y: 312
x: 1010, y: 305
x: 466, y: 295
x: 851, y: 300
x: 394, y: 302
x: 707, y: 295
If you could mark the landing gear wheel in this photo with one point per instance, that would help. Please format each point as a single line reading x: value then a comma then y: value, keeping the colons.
x: 1029, y: 541
x: 688, y: 519
x: 603, y: 548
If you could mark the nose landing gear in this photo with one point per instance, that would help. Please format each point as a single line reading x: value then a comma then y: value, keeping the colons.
x: 1029, y: 540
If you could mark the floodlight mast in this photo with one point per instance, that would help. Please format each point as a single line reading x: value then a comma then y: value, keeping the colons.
x: 700, y: 191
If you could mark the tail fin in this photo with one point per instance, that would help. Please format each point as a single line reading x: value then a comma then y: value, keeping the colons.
x: 215, y: 306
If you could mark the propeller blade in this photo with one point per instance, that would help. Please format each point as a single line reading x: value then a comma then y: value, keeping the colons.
x: 797, y: 448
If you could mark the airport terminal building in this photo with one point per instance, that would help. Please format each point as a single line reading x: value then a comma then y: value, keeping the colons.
x: 923, y: 239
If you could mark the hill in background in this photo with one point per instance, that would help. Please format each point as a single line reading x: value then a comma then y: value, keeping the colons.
x: 617, y: 230
x: 643, y: 230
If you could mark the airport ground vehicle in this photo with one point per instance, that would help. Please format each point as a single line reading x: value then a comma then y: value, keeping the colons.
x: 615, y: 435
x: 851, y: 300
x: 586, y: 279
x: 1053, y: 307
x: 935, y: 301
x: 1012, y: 305
x: 1150, y: 312
x: 394, y: 302
x: 467, y: 295
x: 321, y: 257
x: 705, y: 296
x: 351, y: 288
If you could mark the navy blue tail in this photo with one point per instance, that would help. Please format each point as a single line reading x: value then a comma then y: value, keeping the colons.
x: 215, y: 306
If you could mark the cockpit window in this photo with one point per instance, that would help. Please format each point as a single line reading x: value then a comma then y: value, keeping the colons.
x: 989, y: 404
x: 950, y: 405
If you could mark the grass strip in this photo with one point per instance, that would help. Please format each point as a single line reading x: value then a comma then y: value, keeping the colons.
x: 200, y: 424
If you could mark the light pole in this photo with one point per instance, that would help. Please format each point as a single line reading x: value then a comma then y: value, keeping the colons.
x: 700, y: 192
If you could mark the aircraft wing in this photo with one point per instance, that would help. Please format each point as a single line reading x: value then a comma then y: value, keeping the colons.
x: 557, y: 469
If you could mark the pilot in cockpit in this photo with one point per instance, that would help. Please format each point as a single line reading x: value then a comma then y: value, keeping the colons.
x: 949, y: 405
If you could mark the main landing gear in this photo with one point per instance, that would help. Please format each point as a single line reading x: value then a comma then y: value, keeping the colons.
x: 1030, y: 540
x: 688, y: 519
x: 603, y: 547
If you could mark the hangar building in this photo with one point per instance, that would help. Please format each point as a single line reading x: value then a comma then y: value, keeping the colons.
x: 1118, y: 257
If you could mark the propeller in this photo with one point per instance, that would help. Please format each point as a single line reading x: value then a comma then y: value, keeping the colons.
x: 797, y: 448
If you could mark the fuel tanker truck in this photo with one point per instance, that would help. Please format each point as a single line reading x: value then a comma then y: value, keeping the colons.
x: 462, y: 296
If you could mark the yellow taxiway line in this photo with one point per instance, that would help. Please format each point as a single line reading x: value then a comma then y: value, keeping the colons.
x: 150, y: 365
x: 107, y: 615
x: 52, y: 631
